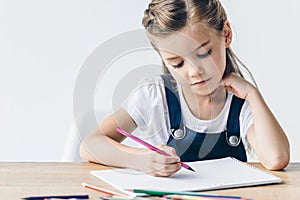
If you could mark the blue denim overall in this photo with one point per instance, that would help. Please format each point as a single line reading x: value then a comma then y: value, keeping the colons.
x: 196, y: 146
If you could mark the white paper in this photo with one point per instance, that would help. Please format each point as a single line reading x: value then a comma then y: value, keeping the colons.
x: 209, y: 175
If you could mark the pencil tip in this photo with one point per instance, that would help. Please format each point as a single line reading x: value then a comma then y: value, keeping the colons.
x: 192, y: 169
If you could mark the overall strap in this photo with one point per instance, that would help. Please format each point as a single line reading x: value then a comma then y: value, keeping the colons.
x: 172, y: 101
x: 233, y: 125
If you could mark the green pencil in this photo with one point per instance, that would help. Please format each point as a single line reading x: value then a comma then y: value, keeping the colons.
x: 162, y: 193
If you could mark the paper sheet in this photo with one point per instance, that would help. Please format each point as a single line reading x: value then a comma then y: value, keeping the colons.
x: 209, y: 175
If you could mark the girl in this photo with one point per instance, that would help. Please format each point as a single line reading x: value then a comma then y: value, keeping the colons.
x: 202, y: 108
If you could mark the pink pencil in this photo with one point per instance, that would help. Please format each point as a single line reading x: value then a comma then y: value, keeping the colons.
x: 151, y: 147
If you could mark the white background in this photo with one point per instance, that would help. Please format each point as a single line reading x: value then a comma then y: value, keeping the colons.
x: 43, y: 45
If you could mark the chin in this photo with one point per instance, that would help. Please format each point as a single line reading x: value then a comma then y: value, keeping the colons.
x: 206, y: 91
x: 203, y: 92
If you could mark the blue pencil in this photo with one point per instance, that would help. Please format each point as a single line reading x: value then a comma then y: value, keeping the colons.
x: 58, y: 197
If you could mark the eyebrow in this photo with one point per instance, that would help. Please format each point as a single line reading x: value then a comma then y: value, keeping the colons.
x: 199, y: 47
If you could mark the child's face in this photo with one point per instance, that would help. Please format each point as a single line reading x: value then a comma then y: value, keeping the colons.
x: 196, y: 59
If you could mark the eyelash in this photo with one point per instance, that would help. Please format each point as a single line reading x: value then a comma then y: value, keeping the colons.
x: 199, y: 56
x: 204, y: 55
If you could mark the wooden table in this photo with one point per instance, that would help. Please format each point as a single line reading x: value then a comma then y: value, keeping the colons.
x: 22, y: 179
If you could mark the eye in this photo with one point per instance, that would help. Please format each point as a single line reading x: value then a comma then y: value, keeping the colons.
x: 178, y: 65
x: 204, y: 55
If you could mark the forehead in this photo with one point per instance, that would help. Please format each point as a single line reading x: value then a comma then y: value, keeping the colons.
x: 184, y: 42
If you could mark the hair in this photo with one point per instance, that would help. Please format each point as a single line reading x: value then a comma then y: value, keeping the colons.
x: 164, y: 17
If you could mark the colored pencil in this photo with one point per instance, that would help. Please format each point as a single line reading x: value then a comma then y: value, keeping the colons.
x: 124, y: 198
x: 57, y: 196
x: 162, y: 193
x: 103, y: 190
x: 151, y: 147
x: 189, y: 197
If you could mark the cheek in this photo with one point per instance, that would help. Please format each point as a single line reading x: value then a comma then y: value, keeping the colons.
x: 217, y: 62
x: 178, y: 75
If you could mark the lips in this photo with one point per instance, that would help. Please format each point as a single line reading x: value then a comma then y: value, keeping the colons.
x: 200, y: 82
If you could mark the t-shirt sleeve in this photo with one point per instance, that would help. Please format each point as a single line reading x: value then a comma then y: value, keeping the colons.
x: 245, y: 122
x: 142, y: 100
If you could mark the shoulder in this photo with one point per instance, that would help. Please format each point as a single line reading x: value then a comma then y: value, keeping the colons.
x: 149, y: 88
x: 244, y: 104
x: 149, y: 94
x: 147, y: 102
x: 245, y: 108
x: 152, y: 82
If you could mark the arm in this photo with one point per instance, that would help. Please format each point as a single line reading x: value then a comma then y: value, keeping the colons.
x: 104, y: 146
x: 265, y: 135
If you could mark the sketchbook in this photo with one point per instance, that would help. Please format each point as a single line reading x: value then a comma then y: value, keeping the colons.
x: 210, y: 175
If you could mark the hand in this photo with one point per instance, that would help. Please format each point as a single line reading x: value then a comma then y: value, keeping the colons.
x: 238, y: 86
x: 156, y: 164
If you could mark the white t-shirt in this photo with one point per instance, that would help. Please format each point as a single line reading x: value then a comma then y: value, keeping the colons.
x: 147, y: 105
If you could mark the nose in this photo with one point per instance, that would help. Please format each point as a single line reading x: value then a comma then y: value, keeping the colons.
x: 194, y: 69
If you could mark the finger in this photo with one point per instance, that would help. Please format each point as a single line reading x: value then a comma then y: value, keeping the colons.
x: 173, y: 158
x: 169, y: 150
x: 165, y: 170
x: 227, y: 81
x: 165, y: 159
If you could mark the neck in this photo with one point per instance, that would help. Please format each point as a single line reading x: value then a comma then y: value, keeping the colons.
x: 205, y: 106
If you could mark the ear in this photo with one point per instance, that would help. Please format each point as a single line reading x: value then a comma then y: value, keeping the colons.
x: 227, y: 32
